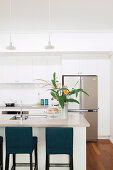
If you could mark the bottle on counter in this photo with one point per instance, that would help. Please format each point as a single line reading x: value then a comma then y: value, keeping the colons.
x: 46, y: 101
x: 42, y: 101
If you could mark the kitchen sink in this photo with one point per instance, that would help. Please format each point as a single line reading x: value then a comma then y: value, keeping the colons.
x: 25, y: 117
x: 18, y: 117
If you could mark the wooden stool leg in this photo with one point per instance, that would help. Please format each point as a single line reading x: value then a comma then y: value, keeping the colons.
x: 47, y: 162
x: 30, y: 161
x: 36, y: 162
x: 14, y: 161
x: 71, y: 162
x: 7, y: 162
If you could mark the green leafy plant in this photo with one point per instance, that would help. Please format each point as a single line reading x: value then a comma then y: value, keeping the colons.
x: 63, y: 94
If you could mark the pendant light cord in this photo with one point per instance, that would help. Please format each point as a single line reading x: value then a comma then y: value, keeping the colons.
x: 10, y: 9
x: 49, y: 18
x: 49, y: 13
x: 10, y: 17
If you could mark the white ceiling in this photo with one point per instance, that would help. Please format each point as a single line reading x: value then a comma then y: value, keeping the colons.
x: 75, y: 15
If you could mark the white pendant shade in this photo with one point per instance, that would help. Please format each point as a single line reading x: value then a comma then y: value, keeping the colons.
x: 10, y: 47
x: 49, y: 46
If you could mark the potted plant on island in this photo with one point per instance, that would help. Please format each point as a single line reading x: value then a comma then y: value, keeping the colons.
x: 63, y: 94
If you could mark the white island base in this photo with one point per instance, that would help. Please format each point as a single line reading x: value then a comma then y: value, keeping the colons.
x: 79, y: 141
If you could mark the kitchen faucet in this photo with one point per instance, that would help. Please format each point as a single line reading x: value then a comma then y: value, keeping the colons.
x: 21, y: 116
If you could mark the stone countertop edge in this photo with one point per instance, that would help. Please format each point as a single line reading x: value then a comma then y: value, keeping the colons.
x: 24, y: 107
x: 74, y: 120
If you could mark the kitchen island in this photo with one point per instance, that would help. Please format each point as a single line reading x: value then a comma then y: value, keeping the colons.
x: 39, y: 123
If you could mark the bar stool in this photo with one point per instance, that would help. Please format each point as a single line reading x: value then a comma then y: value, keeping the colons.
x: 19, y: 140
x: 59, y: 141
x: 1, y: 153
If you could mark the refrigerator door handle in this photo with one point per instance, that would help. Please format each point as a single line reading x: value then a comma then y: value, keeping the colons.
x: 77, y: 110
x: 82, y: 110
x: 92, y: 110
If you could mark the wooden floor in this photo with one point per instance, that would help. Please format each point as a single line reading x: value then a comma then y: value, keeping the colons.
x: 100, y: 155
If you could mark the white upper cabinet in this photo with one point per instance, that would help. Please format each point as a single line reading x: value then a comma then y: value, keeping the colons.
x: 24, y: 69
x: 39, y: 67
x: 79, y: 67
x: 15, y: 69
x: 88, y: 67
x: 53, y: 65
x: 70, y: 67
x: 8, y: 70
x: 44, y: 66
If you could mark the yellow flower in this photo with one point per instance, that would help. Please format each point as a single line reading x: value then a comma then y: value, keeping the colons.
x: 57, y: 85
x: 65, y: 91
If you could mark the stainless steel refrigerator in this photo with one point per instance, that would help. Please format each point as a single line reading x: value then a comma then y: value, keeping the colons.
x: 88, y: 104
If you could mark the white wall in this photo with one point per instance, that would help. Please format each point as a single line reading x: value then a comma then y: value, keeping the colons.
x: 111, y: 99
x: 44, y: 66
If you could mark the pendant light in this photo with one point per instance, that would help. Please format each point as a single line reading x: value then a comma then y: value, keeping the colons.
x: 49, y: 46
x: 10, y: 46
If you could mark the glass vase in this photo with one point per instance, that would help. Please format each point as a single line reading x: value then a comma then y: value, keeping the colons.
x: 65, y: 111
